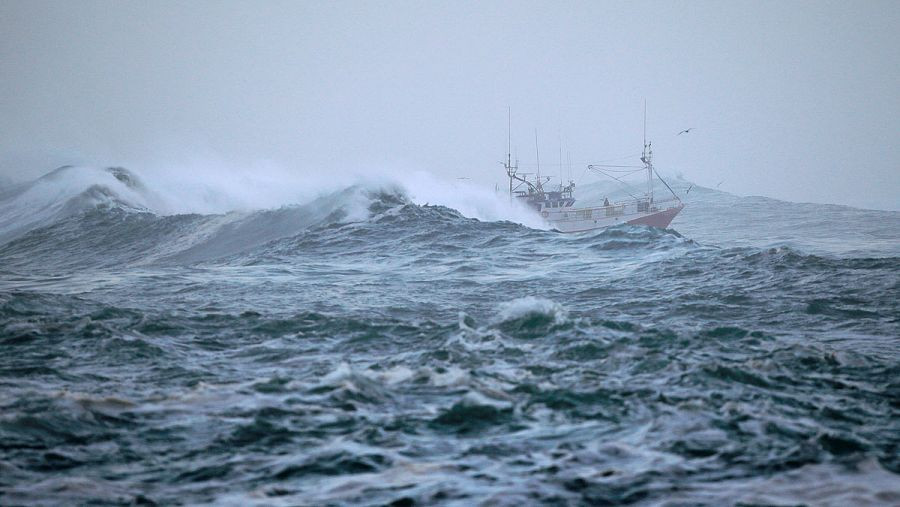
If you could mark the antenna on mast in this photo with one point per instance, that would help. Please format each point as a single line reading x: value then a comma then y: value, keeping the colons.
x: 508, y: 136
x: 560, y: 162
x: 537, y: 155
x: 645, y: 122
x: 511, y: 169
x: 647, y: 159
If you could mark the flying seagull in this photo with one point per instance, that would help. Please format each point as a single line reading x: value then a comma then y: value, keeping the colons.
x: 720, y: 184
x: 685, y: 131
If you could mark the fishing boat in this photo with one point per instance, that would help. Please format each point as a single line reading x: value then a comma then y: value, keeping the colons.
x: 557, y: 205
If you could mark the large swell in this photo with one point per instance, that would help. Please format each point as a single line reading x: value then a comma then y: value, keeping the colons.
x: 377, y: 344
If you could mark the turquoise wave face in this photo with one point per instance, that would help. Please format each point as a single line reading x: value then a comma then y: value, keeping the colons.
x: 313, y: 354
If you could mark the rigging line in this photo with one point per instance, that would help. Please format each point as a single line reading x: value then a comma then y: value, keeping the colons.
x: 582, y: 175
x: 619, y: 171
x: 623, y: 173
x: 621, y: 158
x: 666, y: 184
x: 545, y: 164
x: 627, y: 186
x: 604, y: 173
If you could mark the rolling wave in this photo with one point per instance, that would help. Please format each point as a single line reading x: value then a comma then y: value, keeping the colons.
x: 79, y: 222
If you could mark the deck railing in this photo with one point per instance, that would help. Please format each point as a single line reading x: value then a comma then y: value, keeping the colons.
x: 617, y: 209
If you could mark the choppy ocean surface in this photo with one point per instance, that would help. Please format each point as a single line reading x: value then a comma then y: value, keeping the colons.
x: 362, y: 347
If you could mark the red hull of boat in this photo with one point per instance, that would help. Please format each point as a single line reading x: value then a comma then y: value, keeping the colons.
x: 661, y: 219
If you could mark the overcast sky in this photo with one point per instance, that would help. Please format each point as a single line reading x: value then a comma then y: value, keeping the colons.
x: 793, y: 100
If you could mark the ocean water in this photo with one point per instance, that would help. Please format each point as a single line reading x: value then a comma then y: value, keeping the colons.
x: 381, y: 345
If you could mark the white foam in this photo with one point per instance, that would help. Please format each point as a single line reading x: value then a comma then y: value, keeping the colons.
x: 46, y: 199
x: 495, y: 399
x: 523, y: 307
x: 471, y: 200
x: 214, y: 186
x: 341, y: 374
x: 391, y: 376
x: 451, y: 376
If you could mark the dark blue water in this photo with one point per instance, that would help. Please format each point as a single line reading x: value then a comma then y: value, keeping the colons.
x: 364, y: 348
